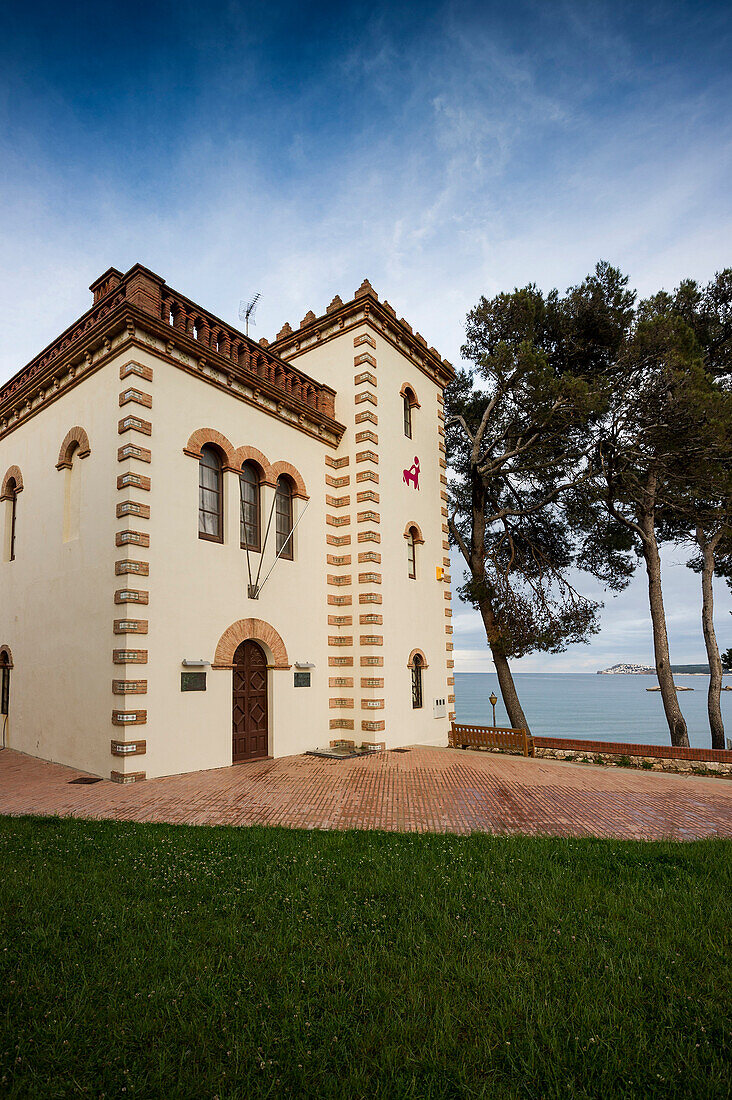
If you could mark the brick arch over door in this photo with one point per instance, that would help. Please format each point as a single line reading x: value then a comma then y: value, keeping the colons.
x: 14, y: 474
x: 76, y: 437
x: 6, y: 657
x: 202, y: 436
x: 255, y: 630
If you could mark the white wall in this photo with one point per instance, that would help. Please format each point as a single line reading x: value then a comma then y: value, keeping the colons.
x: 199, y: 588
x: 56, y: 598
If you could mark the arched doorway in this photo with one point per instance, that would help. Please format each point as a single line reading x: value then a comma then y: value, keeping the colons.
x: 250, y: 733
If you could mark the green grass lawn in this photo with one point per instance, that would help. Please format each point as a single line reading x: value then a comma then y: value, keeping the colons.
x: 162, y: 961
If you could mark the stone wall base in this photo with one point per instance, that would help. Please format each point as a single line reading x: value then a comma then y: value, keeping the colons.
x: 642, y: 763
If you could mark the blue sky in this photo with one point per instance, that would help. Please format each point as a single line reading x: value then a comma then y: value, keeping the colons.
x: 444, y: 150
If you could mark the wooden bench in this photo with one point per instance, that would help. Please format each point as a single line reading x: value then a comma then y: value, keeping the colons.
x: 491, y: 737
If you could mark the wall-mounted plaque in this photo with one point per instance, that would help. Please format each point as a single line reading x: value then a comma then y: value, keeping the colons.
x: 193, y: 681
x: 302, y: 679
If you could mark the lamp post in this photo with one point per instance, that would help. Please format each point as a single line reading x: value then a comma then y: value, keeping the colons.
x: 493, y: 701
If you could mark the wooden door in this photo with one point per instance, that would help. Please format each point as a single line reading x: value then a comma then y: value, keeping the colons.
x: 250, y: 739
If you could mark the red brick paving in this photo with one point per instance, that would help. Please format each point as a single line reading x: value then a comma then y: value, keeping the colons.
x: 424, y: 790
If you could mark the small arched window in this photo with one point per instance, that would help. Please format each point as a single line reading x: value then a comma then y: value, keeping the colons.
x: 4, y: 682
x: 412, y: 552
x: 11, y: 514
x: 283, y: 515
x: 72, y: 494
x: 250, y: 521
x: 416, y: 681
x: 407, y: 415
x: 210, y: 496
x: 409, y: 400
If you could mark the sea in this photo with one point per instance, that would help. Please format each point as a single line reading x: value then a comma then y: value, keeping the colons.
x: 599, y: 708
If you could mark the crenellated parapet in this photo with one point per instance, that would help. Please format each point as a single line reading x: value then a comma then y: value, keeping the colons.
x: 365, y: 306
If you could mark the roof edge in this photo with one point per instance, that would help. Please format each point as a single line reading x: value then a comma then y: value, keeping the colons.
x: 313, y: 330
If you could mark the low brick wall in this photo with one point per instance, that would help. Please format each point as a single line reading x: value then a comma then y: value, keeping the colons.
x: 649, y: 757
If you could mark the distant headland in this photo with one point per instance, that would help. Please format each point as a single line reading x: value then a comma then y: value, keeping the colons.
x: 648, y: 670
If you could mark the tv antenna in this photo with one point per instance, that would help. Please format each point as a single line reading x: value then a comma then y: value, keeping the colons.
x: 247, y: 311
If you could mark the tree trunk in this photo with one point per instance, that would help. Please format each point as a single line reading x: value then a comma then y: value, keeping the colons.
x: 674, y: 717
x: 714, y: 708
x: 514, y: 710
x: 515, y: 713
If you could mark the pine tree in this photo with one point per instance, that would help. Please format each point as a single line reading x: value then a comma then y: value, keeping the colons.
x: 519, y: 426
x: 665, y: 433
x: 702, y: 511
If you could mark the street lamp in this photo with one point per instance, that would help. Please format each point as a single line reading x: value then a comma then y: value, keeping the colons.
x: 494, y: 700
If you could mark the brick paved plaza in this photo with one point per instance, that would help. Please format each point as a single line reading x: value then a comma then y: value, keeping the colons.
x: 425, y: 789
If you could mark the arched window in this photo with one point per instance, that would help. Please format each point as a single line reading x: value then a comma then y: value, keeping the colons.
x: 407, y: 415
x: 72, y: 494
x: 412, y: 535
x: 75, y: 447
x: 4, y: 682
x: 416, y: 681
x: 11, y: 511
x: 283, y: 515
x: 250, y: 521
x: 210, y: 496
x: 409, y: 399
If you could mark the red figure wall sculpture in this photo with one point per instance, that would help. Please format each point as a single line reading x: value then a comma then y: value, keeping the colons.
x: 412, y: 474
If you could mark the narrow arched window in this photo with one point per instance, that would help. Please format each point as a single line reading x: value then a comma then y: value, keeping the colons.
x: 406, y: 398
x: 283, y: 516
x: 250, y: 521
x: 72, y: 494
x: 416, y: 681
x: 11, y: 514
x: 4, y: 683
x: 210, y: 496
x: 412, y: 552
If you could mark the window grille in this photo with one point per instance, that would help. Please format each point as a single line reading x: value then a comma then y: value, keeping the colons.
x: 417, y: 682
x: 412, y: 554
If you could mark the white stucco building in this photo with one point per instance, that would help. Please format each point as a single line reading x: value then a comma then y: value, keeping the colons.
x: 154, y: 464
